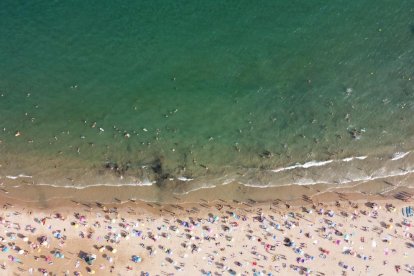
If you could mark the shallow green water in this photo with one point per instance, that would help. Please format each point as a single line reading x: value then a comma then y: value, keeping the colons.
x: 237, y: 87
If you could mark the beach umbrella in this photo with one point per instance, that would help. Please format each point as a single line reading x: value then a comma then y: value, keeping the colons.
x: 5, y: 249
x: 136, y: 259
x: 89, y: 259
x: 137, y: 233
x: 299, y: 251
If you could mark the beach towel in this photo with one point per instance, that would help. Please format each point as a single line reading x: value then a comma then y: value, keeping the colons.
x: 407, y: 211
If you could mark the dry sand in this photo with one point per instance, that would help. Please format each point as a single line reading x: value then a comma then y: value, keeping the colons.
x: 220, y: 237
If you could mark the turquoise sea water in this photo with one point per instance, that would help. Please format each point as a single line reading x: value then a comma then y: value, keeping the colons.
x: 154, y: 91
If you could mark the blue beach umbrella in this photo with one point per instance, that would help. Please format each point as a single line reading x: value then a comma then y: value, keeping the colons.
x: 136, y: 259
x: 59, y: 255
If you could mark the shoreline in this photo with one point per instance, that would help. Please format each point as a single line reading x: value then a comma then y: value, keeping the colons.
x: 44, y: 195
x: 335, y: 171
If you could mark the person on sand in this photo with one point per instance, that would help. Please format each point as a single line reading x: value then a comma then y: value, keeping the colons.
x: 397, y: 268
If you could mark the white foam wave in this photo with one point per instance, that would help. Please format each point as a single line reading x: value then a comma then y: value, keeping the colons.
x: 228, y: 181
x: 298, y: 182
x: 138, y: 184
x: 308, y: 181
x: 185, y: 179
x: 373, y: 177
x: 194, y: 189
x: 305, y: 165
x: 353, y: 158
x: 18, y: 176
x: 315, y: 163
x: 399, y: 155
x: 221, y: 182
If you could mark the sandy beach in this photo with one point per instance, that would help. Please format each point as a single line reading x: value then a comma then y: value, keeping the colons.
x: 326, y: 234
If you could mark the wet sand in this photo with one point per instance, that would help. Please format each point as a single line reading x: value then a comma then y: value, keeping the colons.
x: 27, y: 190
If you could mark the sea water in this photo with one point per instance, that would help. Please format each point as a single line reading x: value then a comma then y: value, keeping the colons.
x: 201, y: 93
